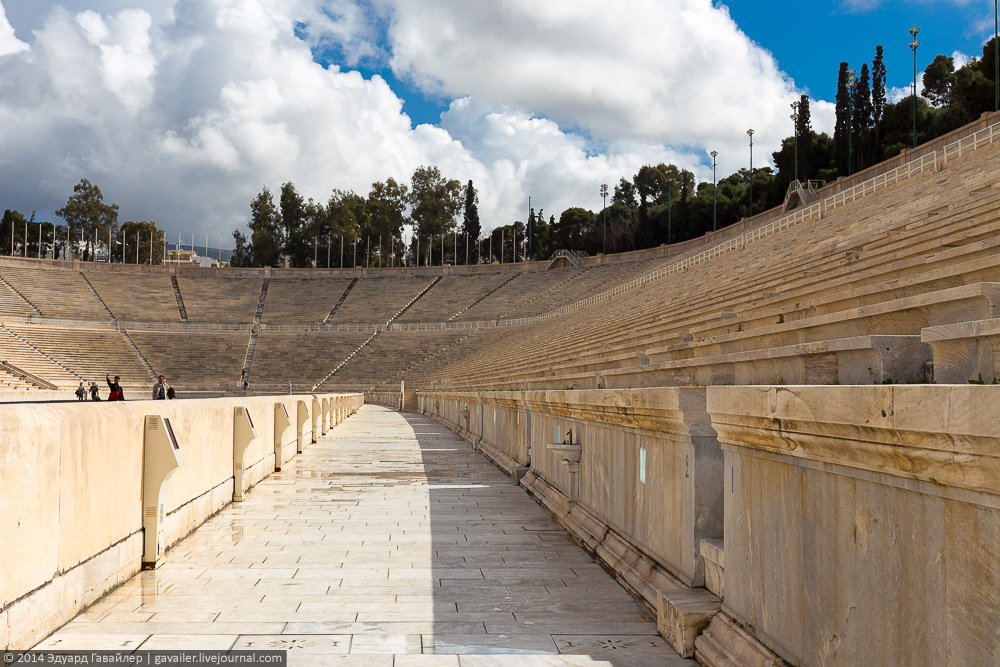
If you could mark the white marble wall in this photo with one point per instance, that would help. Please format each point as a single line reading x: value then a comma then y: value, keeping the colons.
x: 71, y: 494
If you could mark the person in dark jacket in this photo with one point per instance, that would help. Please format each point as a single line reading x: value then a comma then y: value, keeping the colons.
x: 81, y: 393
x: 95, y: 392
x: 160, y: 390
x: 116, y: 389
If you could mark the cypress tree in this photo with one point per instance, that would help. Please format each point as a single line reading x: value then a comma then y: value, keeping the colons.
x: 803, y: 128
x: 841, y: 128
x: 878, y: 100
x: 861, y: 120
x: 803, y: 125
x: 470, y: 222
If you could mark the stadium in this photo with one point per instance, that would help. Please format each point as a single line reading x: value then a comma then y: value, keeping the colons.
x: 779, y: 439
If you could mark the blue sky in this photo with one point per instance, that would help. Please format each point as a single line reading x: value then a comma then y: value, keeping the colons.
x: 810, y: 39
x: 183, y: 110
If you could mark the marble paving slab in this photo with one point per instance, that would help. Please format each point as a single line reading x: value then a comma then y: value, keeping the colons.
x: 389, y: 543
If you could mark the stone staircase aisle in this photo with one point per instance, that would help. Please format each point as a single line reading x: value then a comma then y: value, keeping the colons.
x: 255, y: 329
x: 180, y: 299
x: 340, y: 302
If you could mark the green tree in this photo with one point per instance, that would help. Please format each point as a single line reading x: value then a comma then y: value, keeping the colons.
x: 841, y: 125
x: 265, y: 230
x: 434, y: 203
x: 503, y: 242
x: 621, y: 221
x: 88, y: 217
x: 878, y: 100
x: 316, y: 226
x: 574, y: 230
x: 150, y: 239
x: 861, y: 121
x: 939, y: 80
x: 297, y: 246
x: 241, y: 254
x: 806, y: 139
x: 625, y: 194
x: 12, y: 233
x: 471, y: 229
x: 897, y: 125
x: 350, y: 221
x: 387, y: 210
x: 650, y: 189
x: 973, y: 92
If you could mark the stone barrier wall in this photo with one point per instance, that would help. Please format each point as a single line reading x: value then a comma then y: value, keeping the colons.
x: 861, y: 524
x: 71, y: 484
x: 634, y: 474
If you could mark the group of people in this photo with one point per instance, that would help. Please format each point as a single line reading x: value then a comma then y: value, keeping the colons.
x: 161, y: 390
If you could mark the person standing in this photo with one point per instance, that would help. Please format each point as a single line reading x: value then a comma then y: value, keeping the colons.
x: 95, y: 392
x: 160, y: 390
x: 80, y: 392
x: 116, y: 389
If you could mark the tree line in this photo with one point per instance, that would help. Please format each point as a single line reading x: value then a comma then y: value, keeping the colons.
x: 91, y: 231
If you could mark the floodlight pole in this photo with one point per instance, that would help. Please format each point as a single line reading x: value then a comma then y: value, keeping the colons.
x: 795, y: 121
x: 913, y: 47
x: 750, y: 134
x: 604, y: 196
x: 670, y: 210
x: 850, y: 120
x: 714, y: 198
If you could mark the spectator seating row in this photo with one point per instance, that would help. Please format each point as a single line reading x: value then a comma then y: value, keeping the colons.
x: 220, y: 300
x: 303, y: 358
x: 61, y: 293
x: 55, y: 292
x: 388, y: 356
x: 302, y: 300
x: 146, y: 298
x: 13, y: 303
x: 451, y: 295
x: 842, y: 299
x: 194, y: 360
x: 378, y: 299
x: 65, y: 355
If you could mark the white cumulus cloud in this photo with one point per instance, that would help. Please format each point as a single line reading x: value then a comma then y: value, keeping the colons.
x: 181, y: 110
x: 674, y: 72
x: 9, y: 43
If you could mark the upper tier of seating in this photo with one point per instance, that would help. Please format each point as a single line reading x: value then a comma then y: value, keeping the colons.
x: 843, y: 299
x: 220, y: 300
x: 379, y: 299
x: 302, y: 300
x: 154, y: 302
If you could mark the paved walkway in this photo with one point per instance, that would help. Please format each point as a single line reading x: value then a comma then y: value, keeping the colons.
x: 388, y: 538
